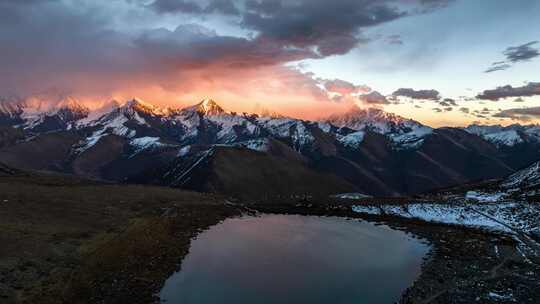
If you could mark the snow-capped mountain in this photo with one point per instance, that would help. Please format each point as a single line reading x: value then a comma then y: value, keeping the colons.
x: 206, y: 122
x: 42, y: 113
x: 61, y: 116
x: 508, y: 136
x: 405, y: 133
x: 209, y: 122
x: 208, y: 107
x: 11, y: 109
x: 377, y: 152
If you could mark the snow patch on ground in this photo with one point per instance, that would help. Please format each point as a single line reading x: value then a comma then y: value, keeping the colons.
x: 367, y: 209
x: 184, y: 151
x: 497, y: 296
x: 504, y: 216
x: 351, y: 195
x: 484, y: 197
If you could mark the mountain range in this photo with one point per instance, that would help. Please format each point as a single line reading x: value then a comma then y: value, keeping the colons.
x: 206, y: 148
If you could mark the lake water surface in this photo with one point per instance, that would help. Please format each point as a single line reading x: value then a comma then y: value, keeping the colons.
x: 296, y: 259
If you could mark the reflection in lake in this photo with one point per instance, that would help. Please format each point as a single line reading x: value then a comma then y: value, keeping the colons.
x: 296, y: 259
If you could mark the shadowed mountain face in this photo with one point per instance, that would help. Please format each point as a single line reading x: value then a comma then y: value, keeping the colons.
x: 204, y: 147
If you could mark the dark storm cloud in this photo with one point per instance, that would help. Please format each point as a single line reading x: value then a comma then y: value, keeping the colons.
x: 417, y: 94
x: 176, y: 6
x: 25, y: 2
x: 522, y: 53
x: 374, y: 98
x: 433, y: 4
x: 52, y: 44
x: 225, y: 7
x: 531, y: 89
x: 327, y: 29
x: 193, y: 46
x: 69, y: 48
x: 520, y: 114
x: 515, y: 54
x: 306, y: 24
x: 69, y: 45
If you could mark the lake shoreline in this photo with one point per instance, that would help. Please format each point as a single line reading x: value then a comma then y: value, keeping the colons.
x: 120, y: 243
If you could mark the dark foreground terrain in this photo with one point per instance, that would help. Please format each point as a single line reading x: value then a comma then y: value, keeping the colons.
x: 66, y: 240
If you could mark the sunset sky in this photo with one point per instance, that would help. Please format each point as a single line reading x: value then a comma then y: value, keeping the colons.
x: 442, y: 62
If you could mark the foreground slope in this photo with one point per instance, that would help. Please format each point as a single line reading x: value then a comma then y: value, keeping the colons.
x: 248, y: 174
x: 69, y: 240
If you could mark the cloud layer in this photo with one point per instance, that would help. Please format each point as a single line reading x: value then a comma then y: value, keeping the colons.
x: 118, y: 48
x: 515, y: 54
x: 417, y: 94
x: 520, y: 114
x: 531, y: 89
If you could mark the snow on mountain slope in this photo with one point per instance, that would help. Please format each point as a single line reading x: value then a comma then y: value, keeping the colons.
x: 145, y: 143
x: 208, y: 123
x: 503, y: 216
x: 120, y: 121
x: 508, y: 136
x: 209, y: 107
x: 10, y: 106
x: 43, y: 113
x: 404, y: 133
x: 232, y: 126
x: 209, y: 115
x: 62, y: 114
x: 116, y: 120
x: 352, y: 140
x: 283, y: 127
x: 526, y: 178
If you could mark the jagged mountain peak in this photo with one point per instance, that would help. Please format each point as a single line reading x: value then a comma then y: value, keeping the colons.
x: 209, y: 107
x: 404, y: 133
x: 138, y: 104
x: 357, y: 118
x: 71, y: 104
